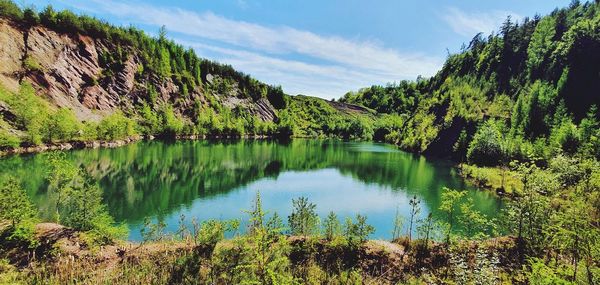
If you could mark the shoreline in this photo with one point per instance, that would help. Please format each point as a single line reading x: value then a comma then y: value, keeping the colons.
x: 76, y: 145
x: 478, y: 182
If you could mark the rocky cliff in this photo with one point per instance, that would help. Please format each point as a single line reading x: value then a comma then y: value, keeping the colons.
x: 68, y: 70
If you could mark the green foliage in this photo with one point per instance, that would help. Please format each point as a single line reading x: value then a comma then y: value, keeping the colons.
x: 116, y: 126
x: 566, y: 138
x: 62, y: 126
x: 449, y: 206
x: 172, y: 125
x: 332, y: 227
x: 474, y: 223
x: 486, y: 146
x: 277, y: 98
x: 78, y: 202
x: 303, y: 220
x: 153, y: 231
x: 17, y: 208
x: 31, y: 65
x: 542, y: 274
x: 31, y: 112
x: 213, y: 231
x: 10, y: 9
x: 8, y: 140
x: 357, y: 232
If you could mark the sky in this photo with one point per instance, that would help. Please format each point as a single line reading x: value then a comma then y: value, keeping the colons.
x: 322, y: 48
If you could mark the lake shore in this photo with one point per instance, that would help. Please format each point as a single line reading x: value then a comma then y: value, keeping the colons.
x: 64, y: 254
x: 73, y: 145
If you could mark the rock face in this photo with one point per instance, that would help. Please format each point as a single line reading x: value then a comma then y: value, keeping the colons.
x: 67, y: 70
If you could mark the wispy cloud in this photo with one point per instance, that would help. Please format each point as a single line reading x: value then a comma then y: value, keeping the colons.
x: 468, y: 24
x: 243, y: 4
x: 342, y: 64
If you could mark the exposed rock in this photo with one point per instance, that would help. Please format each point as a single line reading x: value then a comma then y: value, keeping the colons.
x: 5, y: 113
x: 12, y: 49
x: 71, y: 75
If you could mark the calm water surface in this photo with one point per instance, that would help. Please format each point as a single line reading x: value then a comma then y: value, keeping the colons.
x: 219, y: 180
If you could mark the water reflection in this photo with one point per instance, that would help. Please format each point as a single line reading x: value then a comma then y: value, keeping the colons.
x: 219, y: 179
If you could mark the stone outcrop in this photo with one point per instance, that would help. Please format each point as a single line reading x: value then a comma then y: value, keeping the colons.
x: 68, y: 71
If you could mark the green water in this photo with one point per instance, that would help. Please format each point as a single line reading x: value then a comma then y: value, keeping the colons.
x: 204, y: 180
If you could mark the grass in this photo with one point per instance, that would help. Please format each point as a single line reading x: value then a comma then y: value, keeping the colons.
x: 501, y: 180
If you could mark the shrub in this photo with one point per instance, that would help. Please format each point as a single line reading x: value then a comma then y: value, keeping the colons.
x: 486, y: 147
x: 8, y: 140
x: 62, y: 125
x: 303, y: 220
x: 10, y: 9
x: 116, y: 126
x: 566, y: 137
x: 172, y: 125
x: 357, y: 232
x: 332, y: 227
x: 31, y: 65
x: 18, y: 210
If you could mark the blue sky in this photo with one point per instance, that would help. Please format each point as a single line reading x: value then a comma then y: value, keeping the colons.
x: 317, y: 47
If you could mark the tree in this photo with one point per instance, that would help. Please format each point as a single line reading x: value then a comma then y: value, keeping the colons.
x: 15, y: 204
x: 357, y: 232
x: 303, y: 220
x: 589, y: 129
x: 426, y: 228
x: 62, y: 125
x: 527, y: 216
x: 450, y: 201
x: 257, y: 215
x: 116, y: 126
x: 332, y: 227
x: 16, y: 208
x: 276, y: 97
x: 486, y: 146
x: 414, y: 211
x: 474, y: 222
x: 574, y: 233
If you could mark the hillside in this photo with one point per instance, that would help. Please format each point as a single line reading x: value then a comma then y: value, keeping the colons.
x: 66, y: 77
x: 529, y: 91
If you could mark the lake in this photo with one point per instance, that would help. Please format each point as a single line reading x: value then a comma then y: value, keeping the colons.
x: 219, y: 180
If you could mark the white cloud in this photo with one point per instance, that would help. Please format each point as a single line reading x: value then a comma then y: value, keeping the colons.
x: 343, y: 64
x: 468, y: 24
x: 300, y: 77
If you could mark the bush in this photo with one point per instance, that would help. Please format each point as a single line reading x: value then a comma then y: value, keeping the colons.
x: 486, y: 147
x: 11, y: 10
x: 542, y: 274
x: 19, y: 211
x: 276, y: 97
x: 116, y: 126
x: 62, y: 125
x: 566, y: 138
x: 357, y: 232
x: 303, y: 220
x: 172, y: 125
x: 8, y: 140
x: 31, y: 65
